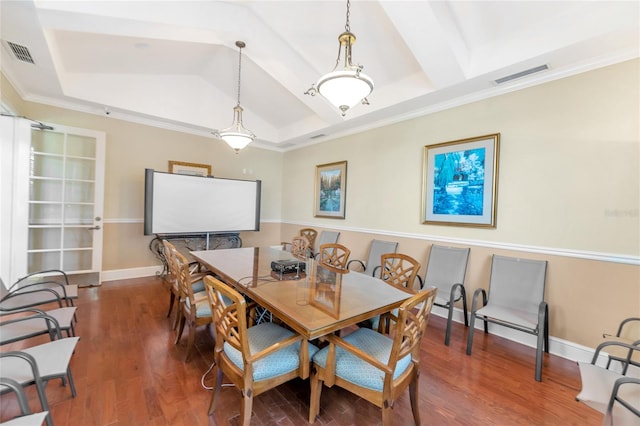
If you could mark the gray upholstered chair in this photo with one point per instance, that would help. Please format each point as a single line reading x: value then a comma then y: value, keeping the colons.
x: 255, y: 359
x: 446, y: 269
x: 194, y: 306
x: 35, y: 322
x: 614, y: 394
x: 628, y: 332
x: 39, y: 364
x: 326, y: 237
x: 377, y: 249
x: 515, y: 300
x: 374, y: 366
x: 38, y: 288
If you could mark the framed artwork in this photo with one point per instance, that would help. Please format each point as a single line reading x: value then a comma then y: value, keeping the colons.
x: 460, y: 182
x: 193, y: 169
x: 325, y: 286
x: 331, y: 190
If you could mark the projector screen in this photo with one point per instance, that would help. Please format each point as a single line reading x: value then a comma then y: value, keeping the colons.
x: 185, y: 204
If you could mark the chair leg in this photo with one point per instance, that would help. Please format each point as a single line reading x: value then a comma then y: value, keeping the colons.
x: 316, y: 390
x: 447, y: 334
x: 387, y: 413
x: 71, y: 384
x: 172, y: 298
x: 246, y: 407
x: 413, y: 396
x: 539, y: 356
x: 191, y: 340
x: 180, y: 327
x: 464, y: 306
x: 216, y: 390
x: 472, y: 323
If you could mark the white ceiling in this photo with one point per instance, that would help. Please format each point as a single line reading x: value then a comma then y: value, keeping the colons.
x: 174, y: 63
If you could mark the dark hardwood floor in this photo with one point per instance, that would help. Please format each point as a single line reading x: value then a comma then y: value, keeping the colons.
x: 129, y: 372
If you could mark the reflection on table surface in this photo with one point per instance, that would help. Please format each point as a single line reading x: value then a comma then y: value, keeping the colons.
x: 358, y: 297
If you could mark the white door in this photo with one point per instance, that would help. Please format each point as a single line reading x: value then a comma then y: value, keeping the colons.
x: 61, y: 183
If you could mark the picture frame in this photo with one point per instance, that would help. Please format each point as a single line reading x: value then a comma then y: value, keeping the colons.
x: 460, y: 182
x: 192, y: 169
x: 331, y: 190
x: 325, y: 287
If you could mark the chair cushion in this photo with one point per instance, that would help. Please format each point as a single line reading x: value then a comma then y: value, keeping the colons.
x: 262, y: 336
x: 198, y: 286
x: 203, y: 308
x: 36, y: 326
x: 52, y: 359
x: 353, y: 369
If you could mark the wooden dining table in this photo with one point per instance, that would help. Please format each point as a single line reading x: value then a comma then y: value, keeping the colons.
x: 323, y: 302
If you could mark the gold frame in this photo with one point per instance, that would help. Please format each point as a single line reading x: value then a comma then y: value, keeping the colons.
x: 470, y: 179
x: 193, y: 169
x: 324, y: 171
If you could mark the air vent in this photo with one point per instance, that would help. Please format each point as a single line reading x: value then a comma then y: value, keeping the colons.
x: 522, y: 74
x: 317, y: 136
x: 21, y: 52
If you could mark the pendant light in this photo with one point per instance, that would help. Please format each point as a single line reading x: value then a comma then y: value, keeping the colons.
x: 237, y: 136
x: 347, y: 86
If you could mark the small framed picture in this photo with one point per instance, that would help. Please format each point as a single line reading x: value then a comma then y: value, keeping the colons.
x: 193, y: 169
x: 331, y: 190
x: 460, y: 182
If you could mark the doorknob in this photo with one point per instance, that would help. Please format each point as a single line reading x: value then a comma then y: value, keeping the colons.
x: 95, y: 228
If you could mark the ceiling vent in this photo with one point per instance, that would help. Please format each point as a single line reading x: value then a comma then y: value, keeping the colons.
x: 521, y: 74
x: 317, y: 136
x: 21, y: 53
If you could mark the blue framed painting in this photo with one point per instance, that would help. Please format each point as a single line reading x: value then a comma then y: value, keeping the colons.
x: 331, y: 190
x: 460, y: 182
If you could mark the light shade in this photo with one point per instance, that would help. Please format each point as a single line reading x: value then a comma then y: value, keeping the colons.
x: 236, y: 136
x: 345, y: 88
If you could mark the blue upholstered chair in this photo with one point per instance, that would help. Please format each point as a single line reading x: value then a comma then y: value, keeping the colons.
x: 194, y: 306
x: 256, y: 358
x: 374, y: 366
x: 372, y: 264
x: 398, y: 270
x: 175, y: 292
x: 446, y: 269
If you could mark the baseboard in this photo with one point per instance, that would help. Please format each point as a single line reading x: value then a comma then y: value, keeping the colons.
x: 560, y: 347
x: 125, y: 274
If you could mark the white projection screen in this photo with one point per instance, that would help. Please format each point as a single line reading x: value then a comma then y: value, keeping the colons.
x: 185, y: 204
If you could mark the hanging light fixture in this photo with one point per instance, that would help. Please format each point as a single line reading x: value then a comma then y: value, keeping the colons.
x: 236, y: 135
x: 347, y: 86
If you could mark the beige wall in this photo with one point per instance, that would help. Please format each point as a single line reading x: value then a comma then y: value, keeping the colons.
x: 568, y: 188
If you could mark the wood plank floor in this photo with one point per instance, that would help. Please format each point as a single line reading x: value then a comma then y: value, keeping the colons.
x: 129, y: 372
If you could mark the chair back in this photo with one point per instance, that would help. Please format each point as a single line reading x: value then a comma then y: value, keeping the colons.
x: 377, y: 249
x: 310, y: 234
x: 335, y: 255
x: 328, y: 237
x: 399, y: 270
x: 183, y: 276
x: 446, y: 266
x: 169, y: 250
x: 413, y: 317
x: 229, y: 311
x: 300, y: 247
x: 518, y: 284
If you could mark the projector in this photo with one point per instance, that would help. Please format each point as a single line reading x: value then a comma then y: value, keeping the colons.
x: 287, y: 266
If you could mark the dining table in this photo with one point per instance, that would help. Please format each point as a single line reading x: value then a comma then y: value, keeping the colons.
x: 315, y: 302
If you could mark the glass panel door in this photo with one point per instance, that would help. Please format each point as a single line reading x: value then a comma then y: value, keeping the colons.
x: 66, y: 169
